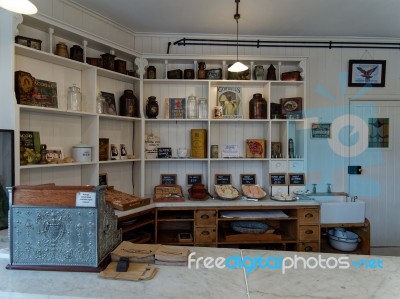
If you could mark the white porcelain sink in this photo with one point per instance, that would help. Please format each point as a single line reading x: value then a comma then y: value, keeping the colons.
x: 340, y: 209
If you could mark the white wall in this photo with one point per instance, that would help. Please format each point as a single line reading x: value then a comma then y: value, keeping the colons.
x: 327, y: 91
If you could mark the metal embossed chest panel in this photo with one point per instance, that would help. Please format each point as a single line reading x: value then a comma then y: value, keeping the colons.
x: 61, y: 235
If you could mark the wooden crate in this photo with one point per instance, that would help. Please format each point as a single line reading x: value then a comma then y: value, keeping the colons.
x: 124, y: 201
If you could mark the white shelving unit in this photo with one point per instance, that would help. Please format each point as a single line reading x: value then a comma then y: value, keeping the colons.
x: 62, y: 128
x: 175, y: 133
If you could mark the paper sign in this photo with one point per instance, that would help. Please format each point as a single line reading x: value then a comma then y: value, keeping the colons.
x: 86, y: 199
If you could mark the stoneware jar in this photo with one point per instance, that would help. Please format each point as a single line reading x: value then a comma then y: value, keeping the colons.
x: 258, y: 107
x: 127, y: 104
x: 152, y: 107
x: 62, y: 50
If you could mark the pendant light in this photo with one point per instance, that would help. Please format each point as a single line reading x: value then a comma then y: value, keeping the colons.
x: 25, y: 7
x: 237, y: 66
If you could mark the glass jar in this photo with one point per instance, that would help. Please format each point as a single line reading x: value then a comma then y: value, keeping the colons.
x: 258, y: 107
x: 202, y: 108
x: 191, y: 107
x: 74, y: 98
x: 100, y: 104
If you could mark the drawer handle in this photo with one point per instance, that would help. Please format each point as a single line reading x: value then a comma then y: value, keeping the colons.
x: 309, y: 231
x: 205, y: 216
x: 205, y: 233
x: 308, y: 248
x: 309, y: 215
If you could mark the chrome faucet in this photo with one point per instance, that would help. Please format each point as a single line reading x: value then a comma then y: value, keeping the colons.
x: 328, y: 188
x: 314, y: 188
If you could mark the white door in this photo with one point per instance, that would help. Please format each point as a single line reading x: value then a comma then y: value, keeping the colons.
x: 374, y: 143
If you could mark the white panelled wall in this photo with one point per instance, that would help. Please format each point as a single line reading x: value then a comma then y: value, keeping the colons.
x: 327, y: 91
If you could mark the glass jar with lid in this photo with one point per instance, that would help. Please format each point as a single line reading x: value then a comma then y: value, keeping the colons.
x: 74, y: 98
x: 202, y: 108
x: 191, y: 107
x: 100, y: 104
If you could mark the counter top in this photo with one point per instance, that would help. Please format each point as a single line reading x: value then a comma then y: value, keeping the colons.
x: 212, y: 282
x: 216, y: 203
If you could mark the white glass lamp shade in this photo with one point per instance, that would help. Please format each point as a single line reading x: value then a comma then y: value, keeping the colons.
x: 19, y: 6
x: 237, y: 67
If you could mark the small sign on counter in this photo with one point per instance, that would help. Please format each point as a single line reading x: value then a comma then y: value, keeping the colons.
x: 278, y: 179
x: 194, y: 179
x: 86, y: 199
x: 223, y: 179
x: 168, y: 179
x: 164, y: 152
x: 296, y: 179
x: 248, y: 179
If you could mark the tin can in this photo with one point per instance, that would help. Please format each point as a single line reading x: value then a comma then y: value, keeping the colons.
x: 214, y: 151
x: 218, y: 112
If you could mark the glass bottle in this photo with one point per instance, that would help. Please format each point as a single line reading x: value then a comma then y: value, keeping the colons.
x: 202, y: 108
x: 100, y: 104
x: 74, y: 98
x: 258, y: 107
x: 191, y: 107
x: 291, y: 148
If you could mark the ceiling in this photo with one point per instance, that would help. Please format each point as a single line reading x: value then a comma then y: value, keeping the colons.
x: 312, y: 18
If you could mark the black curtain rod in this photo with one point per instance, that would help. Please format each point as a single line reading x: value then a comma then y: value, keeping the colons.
x: 294, y: 44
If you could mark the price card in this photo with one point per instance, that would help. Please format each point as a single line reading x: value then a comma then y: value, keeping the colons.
x: 86, y: 199
x: 248, y: 179
x: 168, y: 179
x: 278, y: 179
x: 296, y: 179
x: 223, y: 179
x: 194, y: 179
x: 164, y: 152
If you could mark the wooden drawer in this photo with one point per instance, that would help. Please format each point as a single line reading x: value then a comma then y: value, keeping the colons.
x: 205, y: 235
x: 205, y: 217
x: 309, y: 232
x: 308, y: 216
x: 308, y: 246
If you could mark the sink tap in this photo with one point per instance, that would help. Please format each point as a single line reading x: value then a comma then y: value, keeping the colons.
x: 314, y: 188
x: 328, y: 189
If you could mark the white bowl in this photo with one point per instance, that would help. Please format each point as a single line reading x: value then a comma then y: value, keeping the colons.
x: 347, y: 243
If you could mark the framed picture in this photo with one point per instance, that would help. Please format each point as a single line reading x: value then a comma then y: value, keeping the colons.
x: 367, y: 73
x: 109, y: 107
x: 103, y: 179
x: 54, y: 153
x: 321, y: 130
x: 276, y: 150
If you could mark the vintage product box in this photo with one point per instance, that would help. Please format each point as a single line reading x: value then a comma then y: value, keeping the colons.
x: 30, y: 141
x: 198, y: 141
x: 104, y: 149
x: 53, y: 227
x: 35, y: 92
x: 292, y: 107
x: 175, y: 108
x: 124, y: 201
x: 291, y: 76
x: 255, y: 148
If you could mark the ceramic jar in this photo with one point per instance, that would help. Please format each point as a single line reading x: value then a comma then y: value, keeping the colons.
x: 76, y: 53
x: 108, y: 61
x: 201, y: 73
x: 258, y: 107
x: 127, y: 104
x: 271, y: 74
x: 259, y: 72
x: 62, y: 50
x: 152, y: 107
x: 151, y: 72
